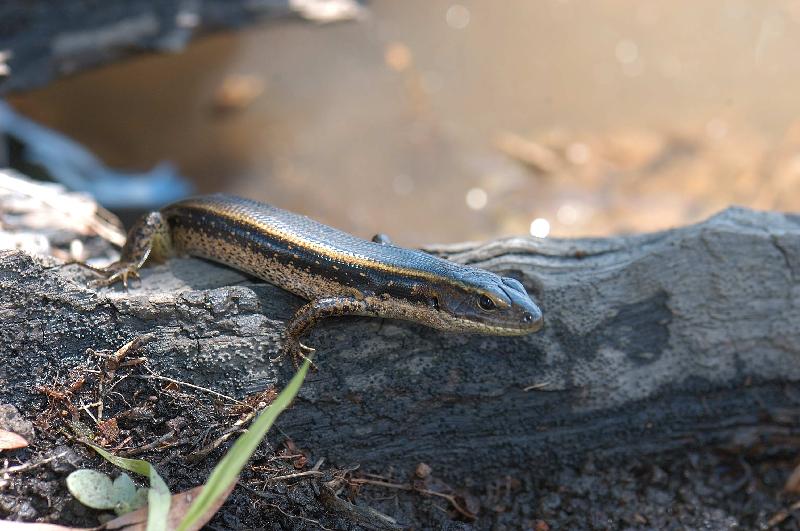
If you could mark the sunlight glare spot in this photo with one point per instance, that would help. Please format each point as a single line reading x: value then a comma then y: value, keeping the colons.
x: 540, y: 228
x: 457, y: 16
x: 626, y: 51
x: 476, y: 198
x: 567, y: 214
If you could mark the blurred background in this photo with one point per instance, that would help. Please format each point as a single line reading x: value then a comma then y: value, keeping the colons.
x: 442, y: 121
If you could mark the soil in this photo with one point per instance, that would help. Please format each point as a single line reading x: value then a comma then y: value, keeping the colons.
x: 174, y: 426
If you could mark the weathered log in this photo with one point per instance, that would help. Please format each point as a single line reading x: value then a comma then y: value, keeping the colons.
x: 40, y: 42
x: 651, y: 342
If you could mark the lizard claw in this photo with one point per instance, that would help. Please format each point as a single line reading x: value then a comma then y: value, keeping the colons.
x: 298, y: 352
x: 116, y: 272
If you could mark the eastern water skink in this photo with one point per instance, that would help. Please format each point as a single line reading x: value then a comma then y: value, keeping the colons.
x: 337, y: 273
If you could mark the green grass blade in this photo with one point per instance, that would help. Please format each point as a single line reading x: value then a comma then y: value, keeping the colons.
x: 226, y: 473
x: 158, y: 496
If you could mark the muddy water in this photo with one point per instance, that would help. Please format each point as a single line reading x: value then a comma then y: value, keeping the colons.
x: 444, y: 121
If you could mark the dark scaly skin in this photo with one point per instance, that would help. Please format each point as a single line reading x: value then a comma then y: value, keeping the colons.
x: 338, y: 273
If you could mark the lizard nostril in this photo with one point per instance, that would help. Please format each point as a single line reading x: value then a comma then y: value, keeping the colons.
x: 527, y: 317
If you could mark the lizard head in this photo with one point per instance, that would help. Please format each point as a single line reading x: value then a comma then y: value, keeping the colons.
x: 483, y: 302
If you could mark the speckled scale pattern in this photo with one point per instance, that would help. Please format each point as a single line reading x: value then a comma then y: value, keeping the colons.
x: 318, y: 262
x: 305, y: 237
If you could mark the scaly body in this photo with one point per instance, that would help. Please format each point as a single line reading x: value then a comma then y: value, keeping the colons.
x: 337, y: 273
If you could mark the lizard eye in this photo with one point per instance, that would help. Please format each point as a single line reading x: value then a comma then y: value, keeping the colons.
x: 434, y: 302
x: 486, y: 303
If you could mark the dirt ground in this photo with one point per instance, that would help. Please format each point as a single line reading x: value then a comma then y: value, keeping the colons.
x: 736, y: 487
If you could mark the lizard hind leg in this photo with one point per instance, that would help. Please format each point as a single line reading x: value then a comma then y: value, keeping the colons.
x: 149, y: 238
x: 312, y: 313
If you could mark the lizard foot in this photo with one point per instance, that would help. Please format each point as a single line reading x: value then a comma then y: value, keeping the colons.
x: 118, y: 271
x: 297, y: 351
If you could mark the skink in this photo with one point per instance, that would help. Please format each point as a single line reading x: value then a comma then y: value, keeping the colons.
x: 337, y: 273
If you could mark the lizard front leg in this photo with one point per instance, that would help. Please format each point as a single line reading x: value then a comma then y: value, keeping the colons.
x: 312, y: 313
x: 148, y: 238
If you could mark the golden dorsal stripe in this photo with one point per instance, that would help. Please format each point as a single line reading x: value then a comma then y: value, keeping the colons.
x: 332, y: 253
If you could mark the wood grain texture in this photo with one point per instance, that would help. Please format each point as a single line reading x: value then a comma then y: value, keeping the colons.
x: 651, y: 342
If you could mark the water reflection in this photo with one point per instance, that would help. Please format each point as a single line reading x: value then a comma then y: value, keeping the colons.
x: 443, y: 121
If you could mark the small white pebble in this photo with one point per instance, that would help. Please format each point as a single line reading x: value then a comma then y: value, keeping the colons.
x: 76, y: 249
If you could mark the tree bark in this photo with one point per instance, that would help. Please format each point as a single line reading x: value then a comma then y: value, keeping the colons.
x: 654, y: 342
